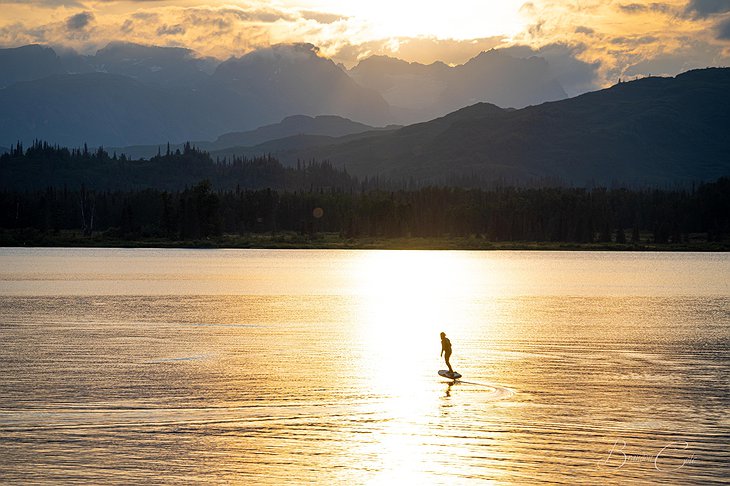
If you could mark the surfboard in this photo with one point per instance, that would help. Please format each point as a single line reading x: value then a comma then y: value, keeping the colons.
x: 448, y: 374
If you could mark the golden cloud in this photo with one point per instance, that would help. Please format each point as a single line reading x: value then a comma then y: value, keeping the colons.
x: 632, y: 38
x: 615, y: 38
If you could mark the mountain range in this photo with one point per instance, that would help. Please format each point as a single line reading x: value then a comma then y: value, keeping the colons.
x: 310, y: 130
x: 290, y: 102
x: 418, y: 92
x: 129, y: 94
x: 653, y: 131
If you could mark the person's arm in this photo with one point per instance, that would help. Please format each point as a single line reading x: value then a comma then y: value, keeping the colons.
x: 442, y: 348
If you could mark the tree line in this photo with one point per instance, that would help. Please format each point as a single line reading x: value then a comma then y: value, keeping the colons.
x: 499, y: 214
x: 43, y: 165
x: 50, y: 189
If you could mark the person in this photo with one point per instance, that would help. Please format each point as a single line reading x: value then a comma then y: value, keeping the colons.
x: 446, y: 348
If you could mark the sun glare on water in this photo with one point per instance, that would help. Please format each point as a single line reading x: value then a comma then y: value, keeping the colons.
x: 409, y: 297
x: 406, y: 299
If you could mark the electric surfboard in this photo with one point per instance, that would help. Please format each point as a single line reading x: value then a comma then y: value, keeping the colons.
x: 450, y: 375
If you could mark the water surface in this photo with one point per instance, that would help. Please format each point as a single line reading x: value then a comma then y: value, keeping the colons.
x: 273, y: 367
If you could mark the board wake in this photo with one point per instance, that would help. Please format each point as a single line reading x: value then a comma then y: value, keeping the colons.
x: 495, y: 392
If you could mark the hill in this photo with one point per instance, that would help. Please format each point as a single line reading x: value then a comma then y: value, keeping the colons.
x: 649, y: 131
x: 329, y: 125
x: 306, y: 130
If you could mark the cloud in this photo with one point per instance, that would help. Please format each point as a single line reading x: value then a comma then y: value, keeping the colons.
x: 693, y: 54
x: 209, y: 15
x: 79, y: 21
x: 424, y: 50
x: 43, y: 3
x: 575, y: 75
x: 148, y: 16
x: 705, y: 8
x: 139, y: 19
x: 647, y: 39
x: 218, y: 20
x: 18, y: 34
x: 321, y: 17
x: 635, y: 8
x: 170, y: 29
x: 450, y: 51
x: 723, y: 30
x: 127, y: 27
x: 632, y: 37
x: 269, y: 16
x: 589, y: 43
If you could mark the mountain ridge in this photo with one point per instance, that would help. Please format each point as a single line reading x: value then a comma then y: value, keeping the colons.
x: 653, y: 130
x: 197, y: 105
x: 238, y: 94
x: 320, y: 128
x: 420, y: 92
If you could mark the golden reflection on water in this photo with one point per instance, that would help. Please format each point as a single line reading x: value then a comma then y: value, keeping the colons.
x: 299, y: 367
x: 406, y: 299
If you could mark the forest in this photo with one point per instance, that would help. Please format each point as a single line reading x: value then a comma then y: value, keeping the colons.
x: 260, y: 196
x: 42, y: 165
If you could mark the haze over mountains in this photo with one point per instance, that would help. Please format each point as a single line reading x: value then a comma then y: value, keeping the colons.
x: 654, y: 131
x: 128, y: 94
x: 138, y: 98
x: 418, y: 92
x: 318, y: 130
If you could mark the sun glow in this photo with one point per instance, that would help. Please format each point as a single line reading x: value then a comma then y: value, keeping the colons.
x: 462, y: 19
x: 409, y: 297
x: 406, y: 299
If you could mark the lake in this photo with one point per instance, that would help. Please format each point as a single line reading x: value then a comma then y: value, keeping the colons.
x: 276, y: 366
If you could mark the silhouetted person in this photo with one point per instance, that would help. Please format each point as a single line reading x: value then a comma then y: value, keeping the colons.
x: 446, y: 348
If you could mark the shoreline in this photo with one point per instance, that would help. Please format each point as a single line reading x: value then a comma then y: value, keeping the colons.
x: 327, y: 241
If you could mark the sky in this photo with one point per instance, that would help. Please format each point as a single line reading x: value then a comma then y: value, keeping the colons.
x: 592, y: 43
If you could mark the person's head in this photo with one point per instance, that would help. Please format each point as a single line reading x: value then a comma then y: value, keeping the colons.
x: 443, y: 335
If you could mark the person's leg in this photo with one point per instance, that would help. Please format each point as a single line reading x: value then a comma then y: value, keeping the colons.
x: 446, y: 357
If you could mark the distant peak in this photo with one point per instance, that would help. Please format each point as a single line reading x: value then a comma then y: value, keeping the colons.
x: 298, y: 48
x: 117, y: 44
x: 705, y: 73
x: 481, y: 108
x: 32, y: 47
x: 382, y: 58
x: 321, y: 118
x: 29, y: 48
x: 117, y: 47
x: 491, y: 53
x: 122, y: 45
x: 331, y: 117
x: 296, y: 118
